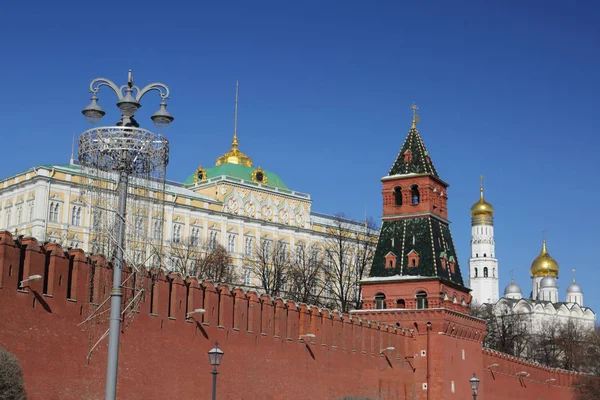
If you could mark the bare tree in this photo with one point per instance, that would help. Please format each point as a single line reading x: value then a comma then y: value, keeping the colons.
x: 194, y: 257
x: 365, y: 244
x: 216, y: 265
x: 306, y: 275
x: 349, y: 251
x: 270, y: 263
x: 12, y: 386
x: 507, y: 331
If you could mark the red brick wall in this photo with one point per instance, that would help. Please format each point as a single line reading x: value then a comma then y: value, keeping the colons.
x: 163, y: 355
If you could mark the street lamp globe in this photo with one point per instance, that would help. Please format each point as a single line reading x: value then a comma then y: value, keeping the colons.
x: 215, y: 355
x: 128, y: 104
x: 162, y: 118
x: 474, y: 381
x: 93, y: 112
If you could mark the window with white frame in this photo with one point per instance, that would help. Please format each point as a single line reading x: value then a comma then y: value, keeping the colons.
x: 212, y: 240
x: 157, y: 230
x: 19, y: 214
x: 247, y: 277
x: 195, y: 237
x: 97, y: 220
x: 8, y: 217
x: 176, y: 233
x: 249, y: 245
x: 231, y: 243
x: 76, y: 216
x: 267, y: 248
x: 30, y: 210
x: 138, y: 225
x: 54, y: 209
x: 299, y: 254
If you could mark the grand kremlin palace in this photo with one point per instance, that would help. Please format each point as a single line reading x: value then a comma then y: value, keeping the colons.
x: 234, y: 203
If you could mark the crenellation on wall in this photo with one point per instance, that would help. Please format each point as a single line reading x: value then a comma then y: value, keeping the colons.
x: 267, y: 315
x: 351, y: 343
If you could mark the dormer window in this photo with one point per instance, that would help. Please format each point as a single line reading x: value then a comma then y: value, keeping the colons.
x: 407, y: 156
x: 259, y: 176
x: 398, y: 196
x: 415, y: 195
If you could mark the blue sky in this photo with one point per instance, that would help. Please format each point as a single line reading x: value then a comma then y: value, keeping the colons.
x: 504, y: 89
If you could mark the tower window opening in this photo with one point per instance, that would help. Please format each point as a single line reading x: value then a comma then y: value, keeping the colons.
x: 398, y: 196
x: 476, y: 272
x: 484, y: 254
x: 391, y: 264
x: 380, y: 301
x: 485, y: 272
x: 400, y: 303
x: 414, y: 262
x: 415, y: 196
x: 476, y: 254
x: 422, y: 302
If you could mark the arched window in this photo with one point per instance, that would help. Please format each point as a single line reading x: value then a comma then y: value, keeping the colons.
x: 485, y: 255
x: 398, y: 195
x: 415, y: 196
x: 454, y: 300
x: 422, y: 300
x: 414, y: 262
x: 391, y: 263
x: 476, y: 272
x: 400, y: 303
x: 380, y: 301
x: 485, y: 272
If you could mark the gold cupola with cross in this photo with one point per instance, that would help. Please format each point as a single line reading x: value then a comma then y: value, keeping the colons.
x: 544, y: 264
x: 482, y: 212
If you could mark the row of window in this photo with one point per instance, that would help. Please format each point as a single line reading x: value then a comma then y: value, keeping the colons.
x: 421, y: 298
x: 485, y: 272
x: 19, y: 214
x: 415, y: 196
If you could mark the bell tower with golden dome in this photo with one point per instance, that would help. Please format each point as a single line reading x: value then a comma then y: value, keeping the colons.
x: 483, y: 265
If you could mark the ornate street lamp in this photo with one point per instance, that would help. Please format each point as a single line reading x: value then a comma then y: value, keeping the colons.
x: 128, y: 104
x: 474, y: 381
x: 214, y: 357
x: 129, y: 152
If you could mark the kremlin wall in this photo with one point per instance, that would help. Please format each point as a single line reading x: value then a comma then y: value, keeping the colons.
x: 163, y: 354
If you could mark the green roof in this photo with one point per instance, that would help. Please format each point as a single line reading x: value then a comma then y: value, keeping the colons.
x: 420, y: 163
x: 429, y: 237
x: 238, y: 171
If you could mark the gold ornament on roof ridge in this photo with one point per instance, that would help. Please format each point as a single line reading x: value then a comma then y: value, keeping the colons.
x: 259, y: 176
x: 200, y: 174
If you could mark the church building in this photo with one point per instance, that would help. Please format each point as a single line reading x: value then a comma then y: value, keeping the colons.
x: 543, y: 305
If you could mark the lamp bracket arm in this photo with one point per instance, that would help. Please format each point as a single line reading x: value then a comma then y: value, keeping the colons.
x: 99, y: 82
x: 159, y: 87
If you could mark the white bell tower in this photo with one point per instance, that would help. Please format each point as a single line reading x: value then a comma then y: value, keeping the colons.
x: 483, y: 265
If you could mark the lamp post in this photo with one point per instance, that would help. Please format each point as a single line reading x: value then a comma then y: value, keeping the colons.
x: 124, y: 150
x: 214, y: 357
x: 474, y: 381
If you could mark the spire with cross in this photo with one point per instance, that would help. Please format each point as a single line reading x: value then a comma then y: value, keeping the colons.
x: 415, y: 116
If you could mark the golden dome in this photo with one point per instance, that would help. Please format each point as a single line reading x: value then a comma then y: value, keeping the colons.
x: 544, y: 265
x: 482, y: 208
x: 234, y: 156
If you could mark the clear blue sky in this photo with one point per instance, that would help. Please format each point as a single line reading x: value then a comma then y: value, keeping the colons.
x: 507, y: 90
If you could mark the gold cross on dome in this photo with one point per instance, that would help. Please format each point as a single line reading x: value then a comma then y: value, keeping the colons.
x: 544, y: 234
x: 481, y: 177
x: 414, y: 108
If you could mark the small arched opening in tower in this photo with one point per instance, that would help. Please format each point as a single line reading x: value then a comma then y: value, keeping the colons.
x: 398, y: 196
x: 415, y: 195
x: 485, y: 272
x: 422, y: 302
x: 380, y: 301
